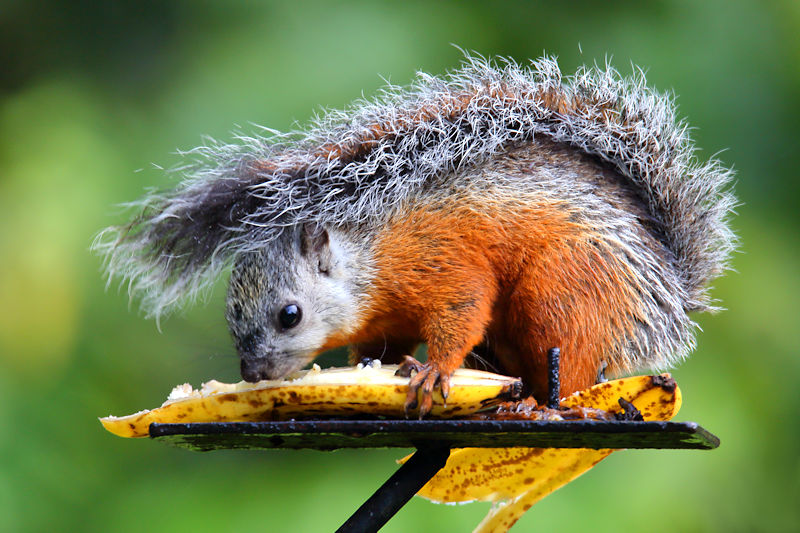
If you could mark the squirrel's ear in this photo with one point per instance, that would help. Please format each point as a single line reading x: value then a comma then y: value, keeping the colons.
x: 315, y: 243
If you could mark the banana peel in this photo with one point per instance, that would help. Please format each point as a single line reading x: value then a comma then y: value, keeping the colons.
x: 514, y: 479
x: 372, y: 389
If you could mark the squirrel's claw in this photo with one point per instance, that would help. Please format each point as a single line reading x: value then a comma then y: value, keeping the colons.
x: 427, y: 378
x: 407, y: 366
x: 404, y: 369
x: 430, y: 378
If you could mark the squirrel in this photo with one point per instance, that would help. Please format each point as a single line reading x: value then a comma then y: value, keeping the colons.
x: 491, y: 214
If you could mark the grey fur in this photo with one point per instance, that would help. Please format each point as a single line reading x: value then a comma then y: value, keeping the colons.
x: 326, y: 283
x: 231, y: 204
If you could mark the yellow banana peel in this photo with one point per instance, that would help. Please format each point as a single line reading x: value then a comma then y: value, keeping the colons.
x: 374, y: 390
x: 514, y: 479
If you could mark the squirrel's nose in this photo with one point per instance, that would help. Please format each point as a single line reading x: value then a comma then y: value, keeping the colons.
x: 253, y: 370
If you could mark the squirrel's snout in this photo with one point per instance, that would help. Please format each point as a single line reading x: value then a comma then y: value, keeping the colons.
x: 254, y: 370
x: 272, y: 365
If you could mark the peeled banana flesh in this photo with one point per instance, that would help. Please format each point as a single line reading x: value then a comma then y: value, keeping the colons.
x: 371, y: 389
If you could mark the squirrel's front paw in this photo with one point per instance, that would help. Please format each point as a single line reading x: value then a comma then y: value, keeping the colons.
x: 427, y: 378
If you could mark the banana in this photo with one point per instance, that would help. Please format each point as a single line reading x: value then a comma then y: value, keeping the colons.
x: 657, y: 397
x: 374, y: 390
x: 513, y: 479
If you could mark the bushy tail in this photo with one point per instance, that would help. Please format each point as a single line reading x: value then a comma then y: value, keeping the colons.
x: 357, y: 164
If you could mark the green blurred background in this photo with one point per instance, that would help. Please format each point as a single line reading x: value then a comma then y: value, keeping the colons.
x: 95, y: 96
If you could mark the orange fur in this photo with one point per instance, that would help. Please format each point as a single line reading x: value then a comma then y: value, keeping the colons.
x: 520, y: 281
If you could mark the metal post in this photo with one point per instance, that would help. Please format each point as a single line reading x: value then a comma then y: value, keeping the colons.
x: 397, y: 490
x: 553, y: 381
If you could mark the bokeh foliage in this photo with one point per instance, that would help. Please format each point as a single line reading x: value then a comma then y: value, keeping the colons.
x: 96, y: 96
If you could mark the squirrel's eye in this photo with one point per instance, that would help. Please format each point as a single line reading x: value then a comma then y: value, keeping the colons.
x: 290, y: 316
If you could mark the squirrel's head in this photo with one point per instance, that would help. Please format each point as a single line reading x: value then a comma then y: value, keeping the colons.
x: 286, y: 301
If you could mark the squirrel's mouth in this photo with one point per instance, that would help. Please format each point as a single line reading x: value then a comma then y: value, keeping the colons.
x: 255, y: 369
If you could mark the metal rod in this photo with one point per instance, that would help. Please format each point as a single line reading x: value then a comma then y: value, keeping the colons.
x: 397, y: 490
x: 553, y: 382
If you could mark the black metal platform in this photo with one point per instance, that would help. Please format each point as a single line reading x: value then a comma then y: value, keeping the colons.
x: 334, y: 434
